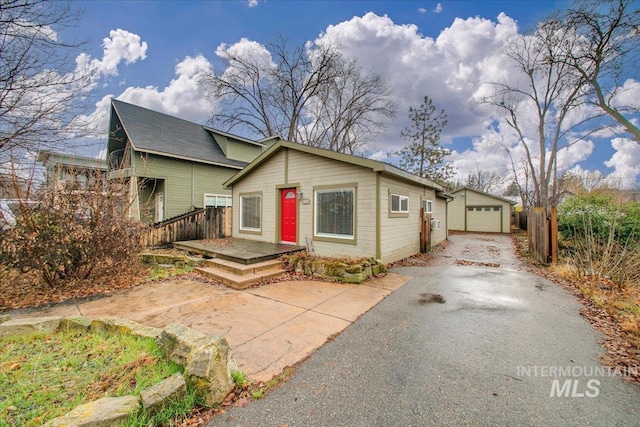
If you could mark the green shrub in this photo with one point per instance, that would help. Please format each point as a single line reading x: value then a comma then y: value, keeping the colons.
x: 601, y: 238
x: 602, y: 216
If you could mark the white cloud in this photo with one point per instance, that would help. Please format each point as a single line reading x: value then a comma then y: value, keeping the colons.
x: 183, y: 97
x: 252, y: 3
x: 120, y: 46
x: 575, y: 153
x: 246, y: 50
x: 422, y: 10
x: 625, y: 161
x: 438, y: 8
x: 628, y: 95
x: 449, y: 69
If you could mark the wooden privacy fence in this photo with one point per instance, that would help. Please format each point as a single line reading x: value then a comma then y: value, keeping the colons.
x: 206, y: 223
x: 542, y: 234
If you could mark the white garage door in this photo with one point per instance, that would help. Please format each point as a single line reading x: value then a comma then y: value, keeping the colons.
x: 484, y: 218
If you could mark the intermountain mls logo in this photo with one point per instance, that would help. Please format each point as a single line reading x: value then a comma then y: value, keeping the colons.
x: 575, y: 381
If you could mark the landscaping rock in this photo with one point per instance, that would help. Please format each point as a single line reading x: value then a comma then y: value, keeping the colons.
x: 156, y: 397
x: 75, y: 324
x: 165, y: 259
x: 29, y: 325
x: 208, y: 370
x: 105, y: 412
x: 354, y: 278
x: 381, y: 266
x: 116, y: 325
x: 336, y: 269
x: 354, y: 269
x: 178, y: 341
x: 148, y: 258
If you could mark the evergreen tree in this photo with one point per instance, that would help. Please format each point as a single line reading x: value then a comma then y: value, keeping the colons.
x: 424, y: 156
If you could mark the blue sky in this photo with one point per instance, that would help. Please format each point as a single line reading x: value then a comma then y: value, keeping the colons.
x: 439, y: 49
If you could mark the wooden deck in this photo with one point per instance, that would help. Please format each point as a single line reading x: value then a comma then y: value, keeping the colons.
x: 238, y: 250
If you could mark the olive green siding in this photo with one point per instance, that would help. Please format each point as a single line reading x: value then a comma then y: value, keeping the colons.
x: 184, y: 183
x: 238, y: 150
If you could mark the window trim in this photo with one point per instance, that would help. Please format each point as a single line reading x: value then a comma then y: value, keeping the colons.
x: 228, y: 197
x: 335, y: 238
x: 399, y: 213
x: 250, y: 230
x: 428, y: 209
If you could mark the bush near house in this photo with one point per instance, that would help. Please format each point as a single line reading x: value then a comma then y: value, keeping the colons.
x: 72, y: 235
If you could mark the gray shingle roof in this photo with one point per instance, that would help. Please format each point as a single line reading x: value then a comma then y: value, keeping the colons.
x: 154, y: 132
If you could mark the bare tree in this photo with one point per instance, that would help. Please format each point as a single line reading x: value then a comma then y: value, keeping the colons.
x: 607, y: 35
x: 484, y: 180
x: 424, y: 156
x: 349, y: 111
x: 309, y: 94
x: 542, y: 102
x: 41, y: 93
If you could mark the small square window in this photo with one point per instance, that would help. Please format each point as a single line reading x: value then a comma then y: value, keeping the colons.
x: 399, y: 204
x: 427, y: 205
x: 496, y: 209
x: 487, y: 209
x: 470, y: 209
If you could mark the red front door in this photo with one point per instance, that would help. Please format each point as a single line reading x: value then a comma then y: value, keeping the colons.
x: 288, y: 209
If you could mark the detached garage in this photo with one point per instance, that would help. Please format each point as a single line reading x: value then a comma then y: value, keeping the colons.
x: 473, y: 210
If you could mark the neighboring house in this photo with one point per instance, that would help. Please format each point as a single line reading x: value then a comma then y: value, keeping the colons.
x: 473, y: 210
x: 342, y: 204
x: 71, y: 172
x: 172, y: 166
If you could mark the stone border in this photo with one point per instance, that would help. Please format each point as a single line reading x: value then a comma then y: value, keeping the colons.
x: 336, y: 269
x: 207, y: 363
x: 178, y: 261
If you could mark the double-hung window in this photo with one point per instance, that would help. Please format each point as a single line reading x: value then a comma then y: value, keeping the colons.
x: 335, y: 213
x: 251, y: 212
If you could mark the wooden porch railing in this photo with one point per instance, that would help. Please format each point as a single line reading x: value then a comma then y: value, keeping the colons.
x: 205, y: 223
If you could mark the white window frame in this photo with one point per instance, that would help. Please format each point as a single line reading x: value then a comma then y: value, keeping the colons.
x: 400, y: 199
x: 242, y: 197
x: 427, y: 205
x: 228, y: 198
x: 316, y: 221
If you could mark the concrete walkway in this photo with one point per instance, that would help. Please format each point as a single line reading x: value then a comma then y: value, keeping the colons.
x: 267, y: 328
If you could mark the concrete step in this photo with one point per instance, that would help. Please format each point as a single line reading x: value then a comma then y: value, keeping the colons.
x: 242, y: 269
x: 240, y: 276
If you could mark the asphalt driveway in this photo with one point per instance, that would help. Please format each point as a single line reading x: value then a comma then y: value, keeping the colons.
x: 505, y: 347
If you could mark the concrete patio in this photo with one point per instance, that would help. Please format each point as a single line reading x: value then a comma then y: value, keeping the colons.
x: 267, y: 327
